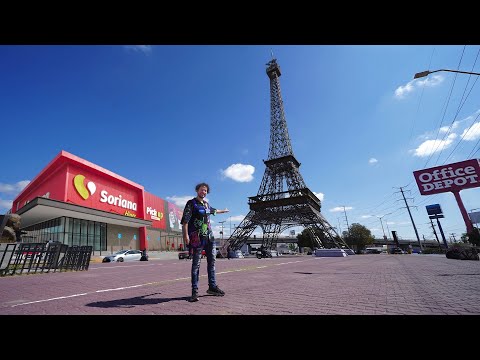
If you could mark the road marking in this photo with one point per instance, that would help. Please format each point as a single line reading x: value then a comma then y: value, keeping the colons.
x: 146, y: 284
x: 120, y: 266
x: 56, y: 298
x: 290, y: 262
x: 120, y: 288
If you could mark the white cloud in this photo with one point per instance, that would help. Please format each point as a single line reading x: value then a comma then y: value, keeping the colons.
x: 14, y: 188
x: 432, y: 146
x: 402, y: 90
x: 319, y: 195
x: 472, y: 133
x: 430, y: 81
x: 340, y: 208
x: 372, y: 161
x: 146, y: 49
x: 474, y: 115
x: 444, y: 129
x: 366, y: 216
x: 179, y: 200
x: 239, y: 172
x: 6, y: 204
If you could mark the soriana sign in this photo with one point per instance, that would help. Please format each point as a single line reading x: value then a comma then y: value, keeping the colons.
x: 452, y: 177
x: 96, y: 192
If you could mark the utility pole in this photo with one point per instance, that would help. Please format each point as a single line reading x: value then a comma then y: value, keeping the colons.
x: 221, y: 222
x: 441, y: 232
x: 384, y: 236
x: 339, y: 226
x: 346, y: 219
x: 388, y: 230
x: 411, y: 218
x: 436, y: 236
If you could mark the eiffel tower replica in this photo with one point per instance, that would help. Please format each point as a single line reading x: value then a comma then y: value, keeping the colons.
x: 283, y: 200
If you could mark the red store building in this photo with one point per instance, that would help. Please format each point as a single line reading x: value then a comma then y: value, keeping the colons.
x: 79, y: 203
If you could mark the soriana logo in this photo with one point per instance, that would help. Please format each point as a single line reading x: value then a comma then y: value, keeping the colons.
x: 84, y: 192
x: 452, y: 177
x: 112, y: 199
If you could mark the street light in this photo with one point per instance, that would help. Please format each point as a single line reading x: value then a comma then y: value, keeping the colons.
x: 381, y: 223
x: 428, y: 72
x: 221, y: 222
x: 465, y: 216
x: 388, y: 230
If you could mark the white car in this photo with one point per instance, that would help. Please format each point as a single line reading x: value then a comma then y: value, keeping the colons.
x: 124, y: 255
x: 236, y: 254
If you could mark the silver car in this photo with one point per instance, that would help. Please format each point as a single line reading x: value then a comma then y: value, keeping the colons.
x: 124, y: 255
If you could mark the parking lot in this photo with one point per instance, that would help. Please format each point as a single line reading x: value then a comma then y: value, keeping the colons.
x: 377, y: 284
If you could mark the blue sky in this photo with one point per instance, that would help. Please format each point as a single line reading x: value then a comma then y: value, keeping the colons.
x: 168, y: 117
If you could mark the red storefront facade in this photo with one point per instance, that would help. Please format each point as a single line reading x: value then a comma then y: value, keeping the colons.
x: 74, y: 187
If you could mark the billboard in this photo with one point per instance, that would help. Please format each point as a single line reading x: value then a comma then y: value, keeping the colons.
x: 475, y: 217
x: 451, y: 177
x: 155, y: 211
x: 174, y: 217
x: 434, y: 209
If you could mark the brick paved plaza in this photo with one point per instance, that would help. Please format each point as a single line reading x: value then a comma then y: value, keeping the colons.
x: 361, y: 284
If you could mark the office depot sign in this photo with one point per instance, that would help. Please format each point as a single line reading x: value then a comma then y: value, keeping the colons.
x: 452, y: 177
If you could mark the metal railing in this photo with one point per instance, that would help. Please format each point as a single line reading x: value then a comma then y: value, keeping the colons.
x: 33, y: 258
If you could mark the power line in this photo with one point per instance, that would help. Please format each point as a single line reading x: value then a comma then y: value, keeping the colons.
x: 447, y: 102
x: 420, y: 100
x: 460, y: 106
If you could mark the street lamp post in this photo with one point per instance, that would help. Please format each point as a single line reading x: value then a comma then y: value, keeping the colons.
x: 467, y: 220
x: 388, y: 230
x: 381, y: 223
x: 428, y: 72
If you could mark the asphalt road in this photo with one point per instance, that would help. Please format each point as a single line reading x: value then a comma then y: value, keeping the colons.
x: 288, y: 285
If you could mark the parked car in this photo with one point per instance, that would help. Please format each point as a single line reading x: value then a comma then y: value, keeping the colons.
x: 236, y: 254
x: 186, y: 255
x: 124, y: 255
x: 183, y: 255
x: 397, y: 251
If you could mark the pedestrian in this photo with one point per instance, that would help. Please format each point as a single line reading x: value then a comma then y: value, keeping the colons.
x: 228, y: 252
x: 198, y: 235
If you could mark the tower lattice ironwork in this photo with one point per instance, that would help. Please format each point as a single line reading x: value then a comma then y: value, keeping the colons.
x: 283, y: 200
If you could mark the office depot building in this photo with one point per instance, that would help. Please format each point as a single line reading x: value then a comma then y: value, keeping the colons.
x: 79, y: 203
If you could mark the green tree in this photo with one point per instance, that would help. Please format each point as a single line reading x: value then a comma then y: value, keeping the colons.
x: 304, y: 239
x: 359, y: 236
x: 473, y: 237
